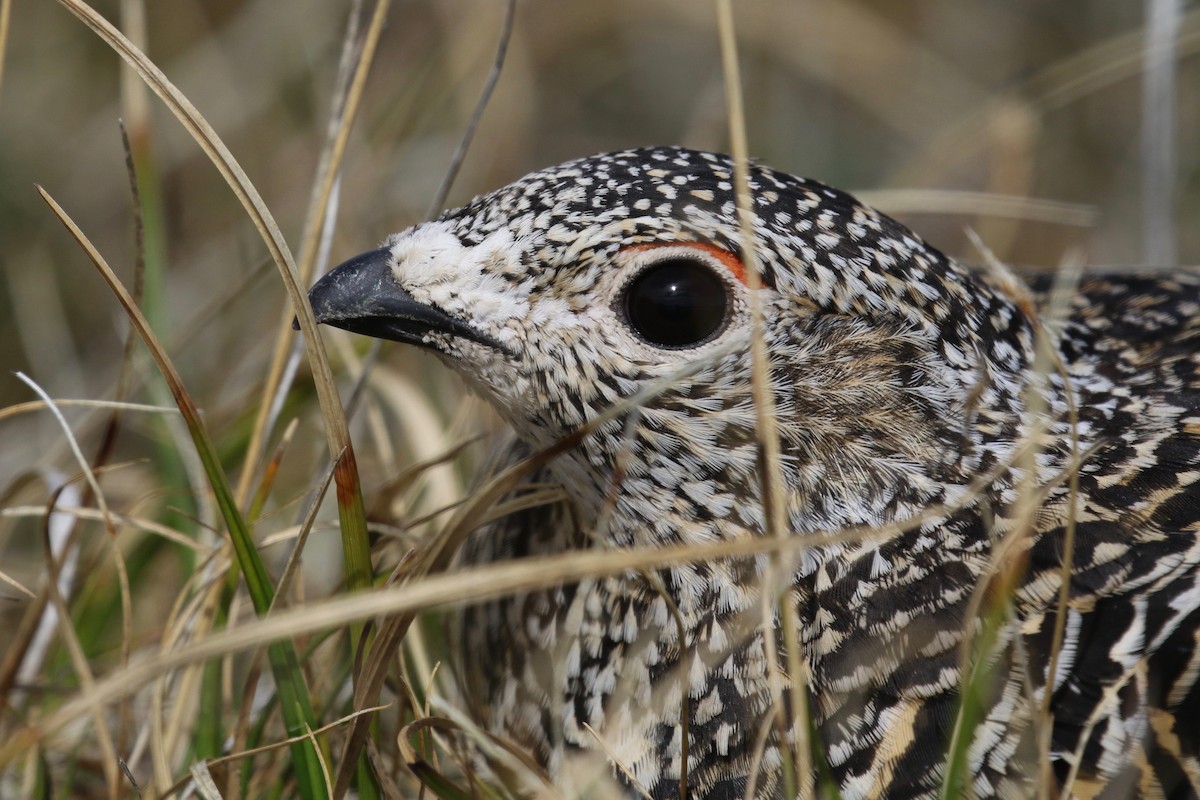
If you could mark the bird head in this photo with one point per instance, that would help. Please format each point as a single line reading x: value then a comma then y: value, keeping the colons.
x: 579, y: 285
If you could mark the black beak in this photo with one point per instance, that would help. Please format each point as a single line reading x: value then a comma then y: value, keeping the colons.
x: 361, y: 296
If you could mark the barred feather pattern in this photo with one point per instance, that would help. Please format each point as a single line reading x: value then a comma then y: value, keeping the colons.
x: 909, y: 399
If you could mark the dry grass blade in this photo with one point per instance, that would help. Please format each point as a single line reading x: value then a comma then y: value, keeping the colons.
x: 1111, y: 60
x: 489, y: 86
x: 979, y: 204
x: 1159, y: 160
x: 14, y: 583
x: 315, y: 746
x: 340, y: 127
x: 139, y: 238
x: 206, y: 787
x: 78, y: 658
x: 434, y: 591
x: 5, y: 15
x: 764, y: 405
x: 337, y: 723
x: 21, y: 645
x: 88, y: 474
x: 112, y: 405
x: 140, y: 523
x: 1065, y: 285
x: 516, y: 760
x: 79, y: 661
x: 271, y: 472
x: 168, y: 719
x: 402, y: 482
x: 429, y: 776
x: 310, y: 516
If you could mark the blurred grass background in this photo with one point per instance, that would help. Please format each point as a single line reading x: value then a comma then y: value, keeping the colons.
x: 1025, y: 99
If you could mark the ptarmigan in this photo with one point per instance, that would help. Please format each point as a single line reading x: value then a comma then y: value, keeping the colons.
x: 907, y: 399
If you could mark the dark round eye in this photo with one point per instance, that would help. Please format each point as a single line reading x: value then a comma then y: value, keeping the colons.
x: 676, y: 303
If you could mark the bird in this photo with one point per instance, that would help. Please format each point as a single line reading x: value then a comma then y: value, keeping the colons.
x: 991, y: 485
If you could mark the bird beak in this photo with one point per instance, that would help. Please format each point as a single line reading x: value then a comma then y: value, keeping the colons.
x: 362, y: 296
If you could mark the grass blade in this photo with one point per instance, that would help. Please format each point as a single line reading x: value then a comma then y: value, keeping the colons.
x: 778, y: 579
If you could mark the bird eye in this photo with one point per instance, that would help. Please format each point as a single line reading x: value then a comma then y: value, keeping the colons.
x: 676, y: 303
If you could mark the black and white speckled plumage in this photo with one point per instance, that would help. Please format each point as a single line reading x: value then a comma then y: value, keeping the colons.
x: 899, y: 378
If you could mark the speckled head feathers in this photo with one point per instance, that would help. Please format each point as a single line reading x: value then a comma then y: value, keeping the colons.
x: 539, y: 266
